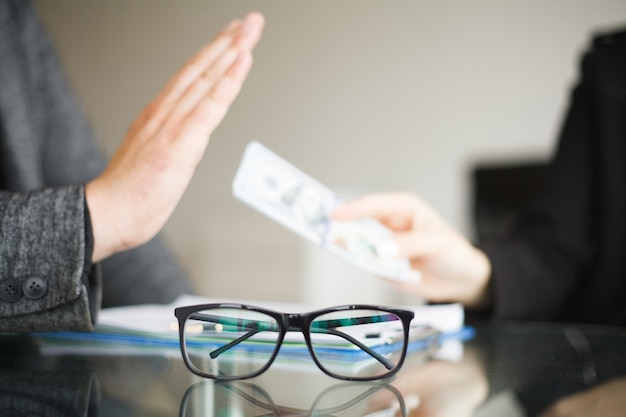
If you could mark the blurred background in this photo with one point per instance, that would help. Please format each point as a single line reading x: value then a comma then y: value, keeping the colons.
x: 364, y: 95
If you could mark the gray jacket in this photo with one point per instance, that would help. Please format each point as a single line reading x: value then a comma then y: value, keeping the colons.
x: 47, y: 154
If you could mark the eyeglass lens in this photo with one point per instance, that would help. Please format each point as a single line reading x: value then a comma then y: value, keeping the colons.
x: 358, y: 343
x: 237, y: 343
x: 230, y: 342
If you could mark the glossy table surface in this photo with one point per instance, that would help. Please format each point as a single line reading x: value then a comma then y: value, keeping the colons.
x: 507, y: 369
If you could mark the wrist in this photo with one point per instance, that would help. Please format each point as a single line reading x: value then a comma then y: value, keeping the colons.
x: 106, y: 239
x: 482, y: 299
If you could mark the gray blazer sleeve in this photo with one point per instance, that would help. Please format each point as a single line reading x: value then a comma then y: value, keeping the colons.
x: 47, y: 154
x: 42, y: 259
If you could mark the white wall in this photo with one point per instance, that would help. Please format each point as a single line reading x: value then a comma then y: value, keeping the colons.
x: 364, y: 95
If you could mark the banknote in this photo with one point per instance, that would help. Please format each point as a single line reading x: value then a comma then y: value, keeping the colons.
x: 278, y: 189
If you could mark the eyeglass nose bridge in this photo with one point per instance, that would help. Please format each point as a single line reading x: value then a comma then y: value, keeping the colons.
x: 294, y: 322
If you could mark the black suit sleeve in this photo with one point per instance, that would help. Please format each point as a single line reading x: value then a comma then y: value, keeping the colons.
x: 541, y: 265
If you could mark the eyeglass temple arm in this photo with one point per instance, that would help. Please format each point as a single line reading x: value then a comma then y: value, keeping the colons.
x: 321, y: 327
x: 328, y: 326
x: 214, y: 354
x: 362, y: 346
x: 217, y: 352
x: 255, y: 326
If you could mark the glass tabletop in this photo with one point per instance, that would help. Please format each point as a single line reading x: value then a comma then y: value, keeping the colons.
x: 513, y: 369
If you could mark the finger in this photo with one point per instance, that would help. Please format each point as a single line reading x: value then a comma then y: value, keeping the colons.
x: 250, y: 33
x: 151, y: 119
x: 210, y: 111
x: 395, y: 210
x: 209, y: 61
x: 417, y: 244
x: 409, y: 246
x: 200, y: 88
x: 199, y: 63
x: 237, y: 36
x: 245, y: 38
x: 380, y: 205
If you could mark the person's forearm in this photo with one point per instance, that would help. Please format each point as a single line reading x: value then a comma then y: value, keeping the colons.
x: 481, y: 276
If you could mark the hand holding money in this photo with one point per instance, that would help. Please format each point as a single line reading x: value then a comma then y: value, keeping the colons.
x: 282, y: 192
x: 138, y: 191
x: 451, y: 268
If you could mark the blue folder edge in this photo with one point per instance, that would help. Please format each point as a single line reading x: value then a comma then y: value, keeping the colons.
x: 115, y: 336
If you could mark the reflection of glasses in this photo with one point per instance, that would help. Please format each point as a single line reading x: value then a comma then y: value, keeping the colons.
x: 344, y: 399
x: 234, y: 341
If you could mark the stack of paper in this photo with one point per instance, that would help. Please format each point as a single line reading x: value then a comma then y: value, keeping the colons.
x: 144, y: 327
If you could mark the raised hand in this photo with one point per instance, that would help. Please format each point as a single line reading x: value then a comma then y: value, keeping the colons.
x: 148, y: 174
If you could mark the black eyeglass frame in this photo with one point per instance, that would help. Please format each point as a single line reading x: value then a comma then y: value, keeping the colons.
x: 292, y: 322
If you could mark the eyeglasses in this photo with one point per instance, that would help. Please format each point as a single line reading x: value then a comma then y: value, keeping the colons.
x: 236, y: 341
